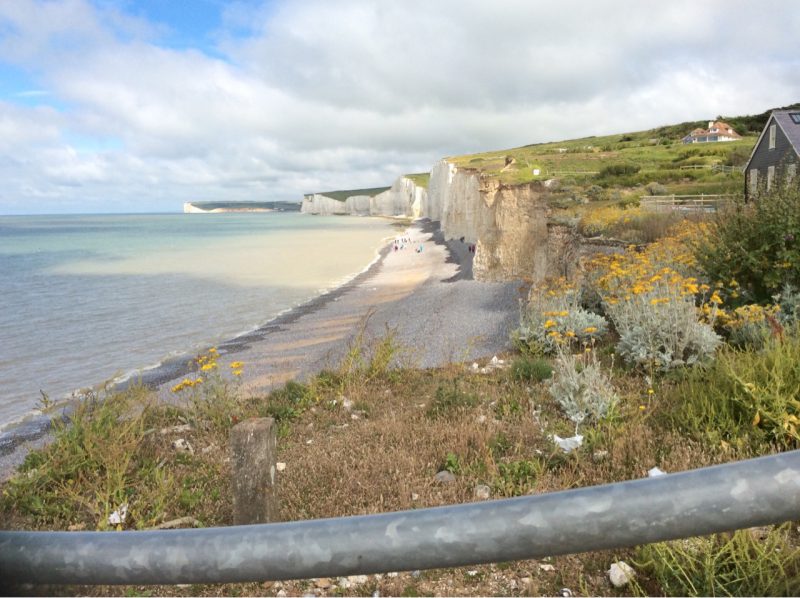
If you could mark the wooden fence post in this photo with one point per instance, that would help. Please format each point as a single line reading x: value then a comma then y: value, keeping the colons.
x: 253, y: 446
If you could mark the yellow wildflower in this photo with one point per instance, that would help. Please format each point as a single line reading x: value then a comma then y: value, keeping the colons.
x: 549, y: 324
x: 236, y: 365
x: 590, y: 329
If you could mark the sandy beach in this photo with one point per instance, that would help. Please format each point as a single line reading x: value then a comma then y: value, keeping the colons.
x: 427, y: 298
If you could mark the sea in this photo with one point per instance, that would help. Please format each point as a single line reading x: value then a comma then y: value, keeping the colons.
x: 92, y: 299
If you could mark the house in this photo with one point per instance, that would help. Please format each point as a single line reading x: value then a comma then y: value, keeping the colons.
x: 716, y: 131
x: 776, y: 154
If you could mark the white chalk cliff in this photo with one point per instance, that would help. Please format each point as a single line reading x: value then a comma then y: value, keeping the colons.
x: 509, y: 224
x: 403, y: 198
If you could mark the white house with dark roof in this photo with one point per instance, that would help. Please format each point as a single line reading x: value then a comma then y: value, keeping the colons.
x: 716, y: 131
x: 776, y: 156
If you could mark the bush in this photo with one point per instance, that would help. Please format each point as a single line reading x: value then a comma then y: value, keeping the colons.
x: 656, y: 188
x: 618, y: 170
x: 581, y: 387
x: 746, y: 398
x: 756, y: 244
x: 553, y: 313
x: 660, y: 327
x: 530, y: 369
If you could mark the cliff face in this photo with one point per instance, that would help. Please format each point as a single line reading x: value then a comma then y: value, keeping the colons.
x: 508, y: 224
x: 404, y: 198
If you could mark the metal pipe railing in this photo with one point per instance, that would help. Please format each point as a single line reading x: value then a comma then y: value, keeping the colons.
x: 680, y: 505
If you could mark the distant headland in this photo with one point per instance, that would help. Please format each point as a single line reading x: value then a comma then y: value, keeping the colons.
x: 215, y: 207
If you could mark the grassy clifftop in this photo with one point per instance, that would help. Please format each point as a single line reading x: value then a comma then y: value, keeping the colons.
x: 628, y: 160
x: 622, y: 161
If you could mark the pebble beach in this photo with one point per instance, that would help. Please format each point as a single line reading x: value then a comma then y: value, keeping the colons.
x: 428, y: 299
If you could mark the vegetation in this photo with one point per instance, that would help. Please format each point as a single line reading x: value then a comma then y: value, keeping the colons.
x: 596, y: 168
x: 756, y: 244
x: 673, y: 354
x: 343, y: 195
x: 421, y: 179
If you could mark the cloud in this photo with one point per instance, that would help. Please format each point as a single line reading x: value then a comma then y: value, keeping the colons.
x: 308, y: 95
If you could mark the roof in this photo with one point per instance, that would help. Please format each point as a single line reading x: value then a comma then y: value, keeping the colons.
x: 789, y: 128
x: 723, y: 129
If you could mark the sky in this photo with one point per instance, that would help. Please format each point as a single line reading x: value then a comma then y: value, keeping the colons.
x: 140, y: 105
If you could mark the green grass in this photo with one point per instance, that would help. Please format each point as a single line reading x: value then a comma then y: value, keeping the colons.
x: 421, y: 179
x: 343, y: 195
x: 658, y: 154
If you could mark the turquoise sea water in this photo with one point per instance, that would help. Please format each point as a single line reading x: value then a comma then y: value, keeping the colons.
x: 87, y: 299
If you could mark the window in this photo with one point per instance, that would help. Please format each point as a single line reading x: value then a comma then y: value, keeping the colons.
x: 770, y: 176
x: 772, y: 136
x: 795, y: 116
x: 754, y: 181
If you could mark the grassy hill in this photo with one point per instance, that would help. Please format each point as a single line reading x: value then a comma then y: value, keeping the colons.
x: 622, y: 161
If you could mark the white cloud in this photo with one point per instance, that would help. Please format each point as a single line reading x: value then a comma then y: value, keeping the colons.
x: 352, y: 93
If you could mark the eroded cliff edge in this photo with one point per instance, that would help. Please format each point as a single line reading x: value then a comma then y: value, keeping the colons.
x: 403, y: 198
x: 509, y: 224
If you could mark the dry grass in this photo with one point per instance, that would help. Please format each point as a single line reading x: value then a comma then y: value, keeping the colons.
x: 370, y: 442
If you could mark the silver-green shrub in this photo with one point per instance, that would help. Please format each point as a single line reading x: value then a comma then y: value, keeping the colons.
x: 581, y: 387
x: 551, y: 316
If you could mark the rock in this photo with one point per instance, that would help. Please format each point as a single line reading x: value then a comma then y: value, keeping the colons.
x: 180, y: 429
x: 414, y: 496
x: 310, y: 441
x: 445, y: 477
x: 546, y: 567
x: 347, y: 404
x: 118, y: 516
x: 376, y: 594
x: 181, y: 445
x: 323, y: 583
x: 599, y: 456
x: 416, y: 573
x: 568, y: 444
x: 481, y: 418
x: 355, y: 416
x: 392, y: 574
x: 655, y: 472
x: 280, y: 466
x: 482, y: 492
x: 344, y: 583
x: 566, y: 592
x: 620, y: 574
x: 358, y: 579
x: 281, y: 594
x: 472, y: 572
x: 475, y: 366
x: 525, y: 580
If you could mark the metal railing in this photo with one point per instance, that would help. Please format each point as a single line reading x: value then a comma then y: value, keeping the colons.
x: 680, y: 505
